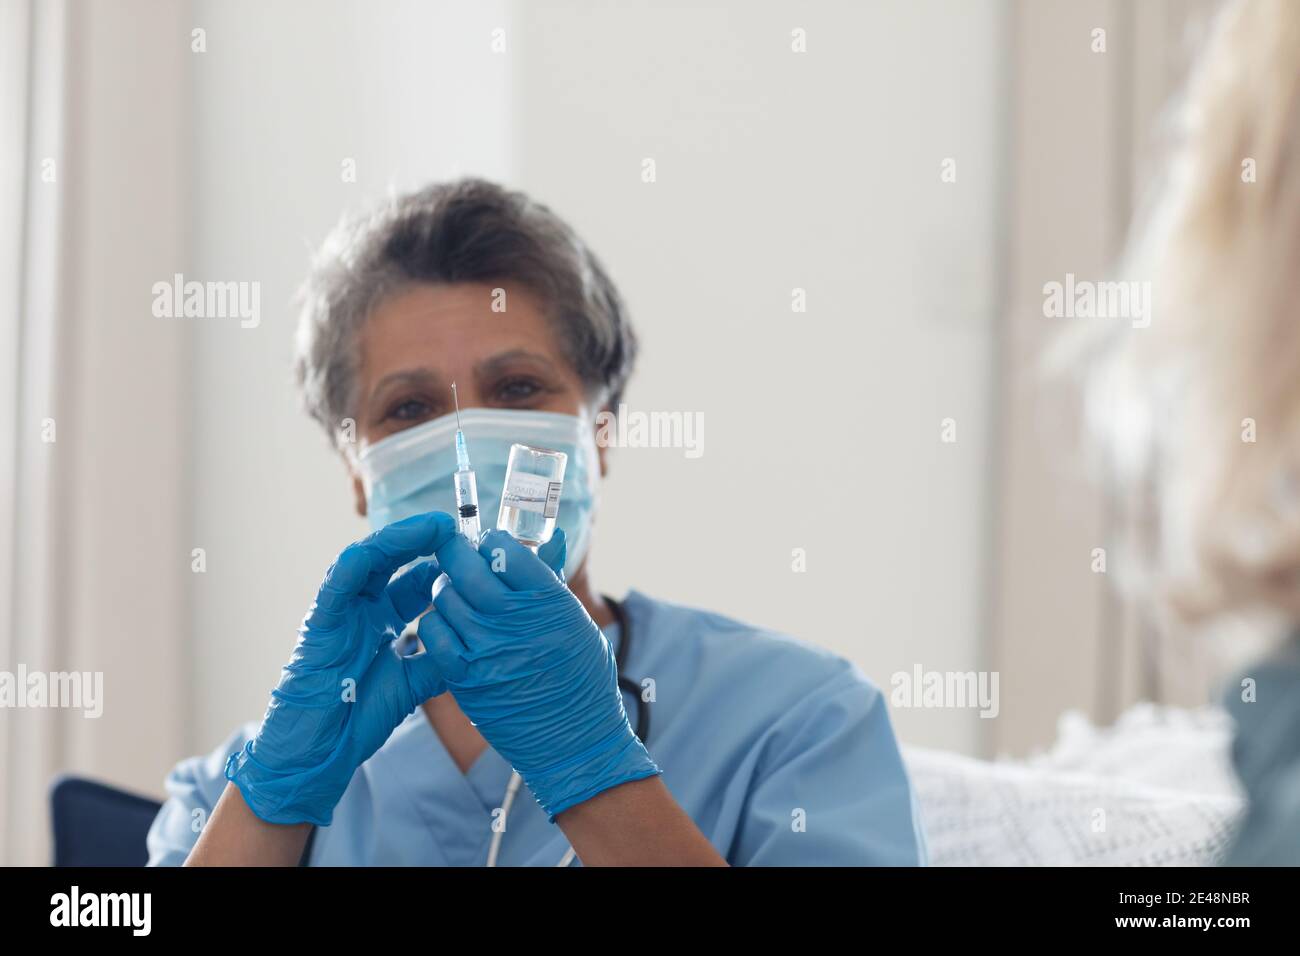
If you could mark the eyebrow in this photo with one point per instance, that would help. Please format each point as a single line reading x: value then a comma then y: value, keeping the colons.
x: 499, y: 363
x: 484, y: 370
x: 418, y: 376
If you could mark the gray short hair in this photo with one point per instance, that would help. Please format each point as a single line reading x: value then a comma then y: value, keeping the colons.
x: 469, y: 230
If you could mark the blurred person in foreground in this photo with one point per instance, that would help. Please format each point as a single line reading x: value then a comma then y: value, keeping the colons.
x: 1200, y: 411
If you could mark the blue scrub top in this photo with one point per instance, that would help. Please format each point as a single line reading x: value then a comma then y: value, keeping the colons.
x: 781, y: 752
x: 1266, y: 756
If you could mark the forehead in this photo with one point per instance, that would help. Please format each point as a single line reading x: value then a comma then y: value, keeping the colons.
x: 461, y: 319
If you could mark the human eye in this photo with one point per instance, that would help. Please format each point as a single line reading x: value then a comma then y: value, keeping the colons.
x: 517, y: 390
x: 409, y: 409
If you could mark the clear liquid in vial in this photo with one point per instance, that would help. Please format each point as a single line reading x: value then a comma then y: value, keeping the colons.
x: 530, y: 528
x: 530, y: 501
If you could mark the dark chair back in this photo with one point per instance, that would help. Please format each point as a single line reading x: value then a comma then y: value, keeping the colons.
x: 98, y: 825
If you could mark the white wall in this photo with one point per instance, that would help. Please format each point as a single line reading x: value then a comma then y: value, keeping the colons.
x: 286, y: 92
x: 778, y: 170
x: 98, y: 581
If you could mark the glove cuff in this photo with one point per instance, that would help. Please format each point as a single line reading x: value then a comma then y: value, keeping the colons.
x: 619, y: 759
x: 282, y: 798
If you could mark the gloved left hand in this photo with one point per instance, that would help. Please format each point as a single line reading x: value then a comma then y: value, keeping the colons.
x: 346, y: 687
x: 531, y: 670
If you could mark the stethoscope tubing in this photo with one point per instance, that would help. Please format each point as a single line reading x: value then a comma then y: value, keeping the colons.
x: 642, y: 731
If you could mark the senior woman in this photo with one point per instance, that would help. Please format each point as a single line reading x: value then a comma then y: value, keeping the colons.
x: 1201, y: 410
x: 747, y: 747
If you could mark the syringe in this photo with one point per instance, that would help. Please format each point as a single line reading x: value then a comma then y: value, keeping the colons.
x: 466, y: 489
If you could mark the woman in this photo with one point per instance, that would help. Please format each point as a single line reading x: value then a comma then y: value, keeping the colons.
x: 743, y: 747
x: 1204, y: 405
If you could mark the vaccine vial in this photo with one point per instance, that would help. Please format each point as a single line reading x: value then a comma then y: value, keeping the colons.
x: 531, y: 498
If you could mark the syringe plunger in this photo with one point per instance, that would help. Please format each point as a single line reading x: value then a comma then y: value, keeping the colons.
x: 466, y: 487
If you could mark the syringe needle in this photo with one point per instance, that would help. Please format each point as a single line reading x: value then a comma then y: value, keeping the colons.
x: 456, y: 398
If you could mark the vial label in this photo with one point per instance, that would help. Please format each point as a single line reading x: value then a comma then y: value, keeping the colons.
x: 532, y: 493
x: 553, y: 499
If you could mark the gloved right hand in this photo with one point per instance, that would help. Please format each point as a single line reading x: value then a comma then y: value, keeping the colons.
x: 532, y: 670
x: 345, y: 688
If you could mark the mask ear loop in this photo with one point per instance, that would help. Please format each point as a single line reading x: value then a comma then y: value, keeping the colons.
x: 350, y: 454
x: 345, y: 439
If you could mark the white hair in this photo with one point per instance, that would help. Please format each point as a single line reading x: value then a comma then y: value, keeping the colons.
x: 1202, y: 408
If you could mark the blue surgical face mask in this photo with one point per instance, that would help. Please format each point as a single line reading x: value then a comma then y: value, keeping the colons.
x: 411, y: 472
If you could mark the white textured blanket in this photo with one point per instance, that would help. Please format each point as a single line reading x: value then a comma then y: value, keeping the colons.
x: 1156, y: 789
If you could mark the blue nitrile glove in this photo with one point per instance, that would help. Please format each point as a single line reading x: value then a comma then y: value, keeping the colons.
x: 531, y: 669
x: 345, y: 688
